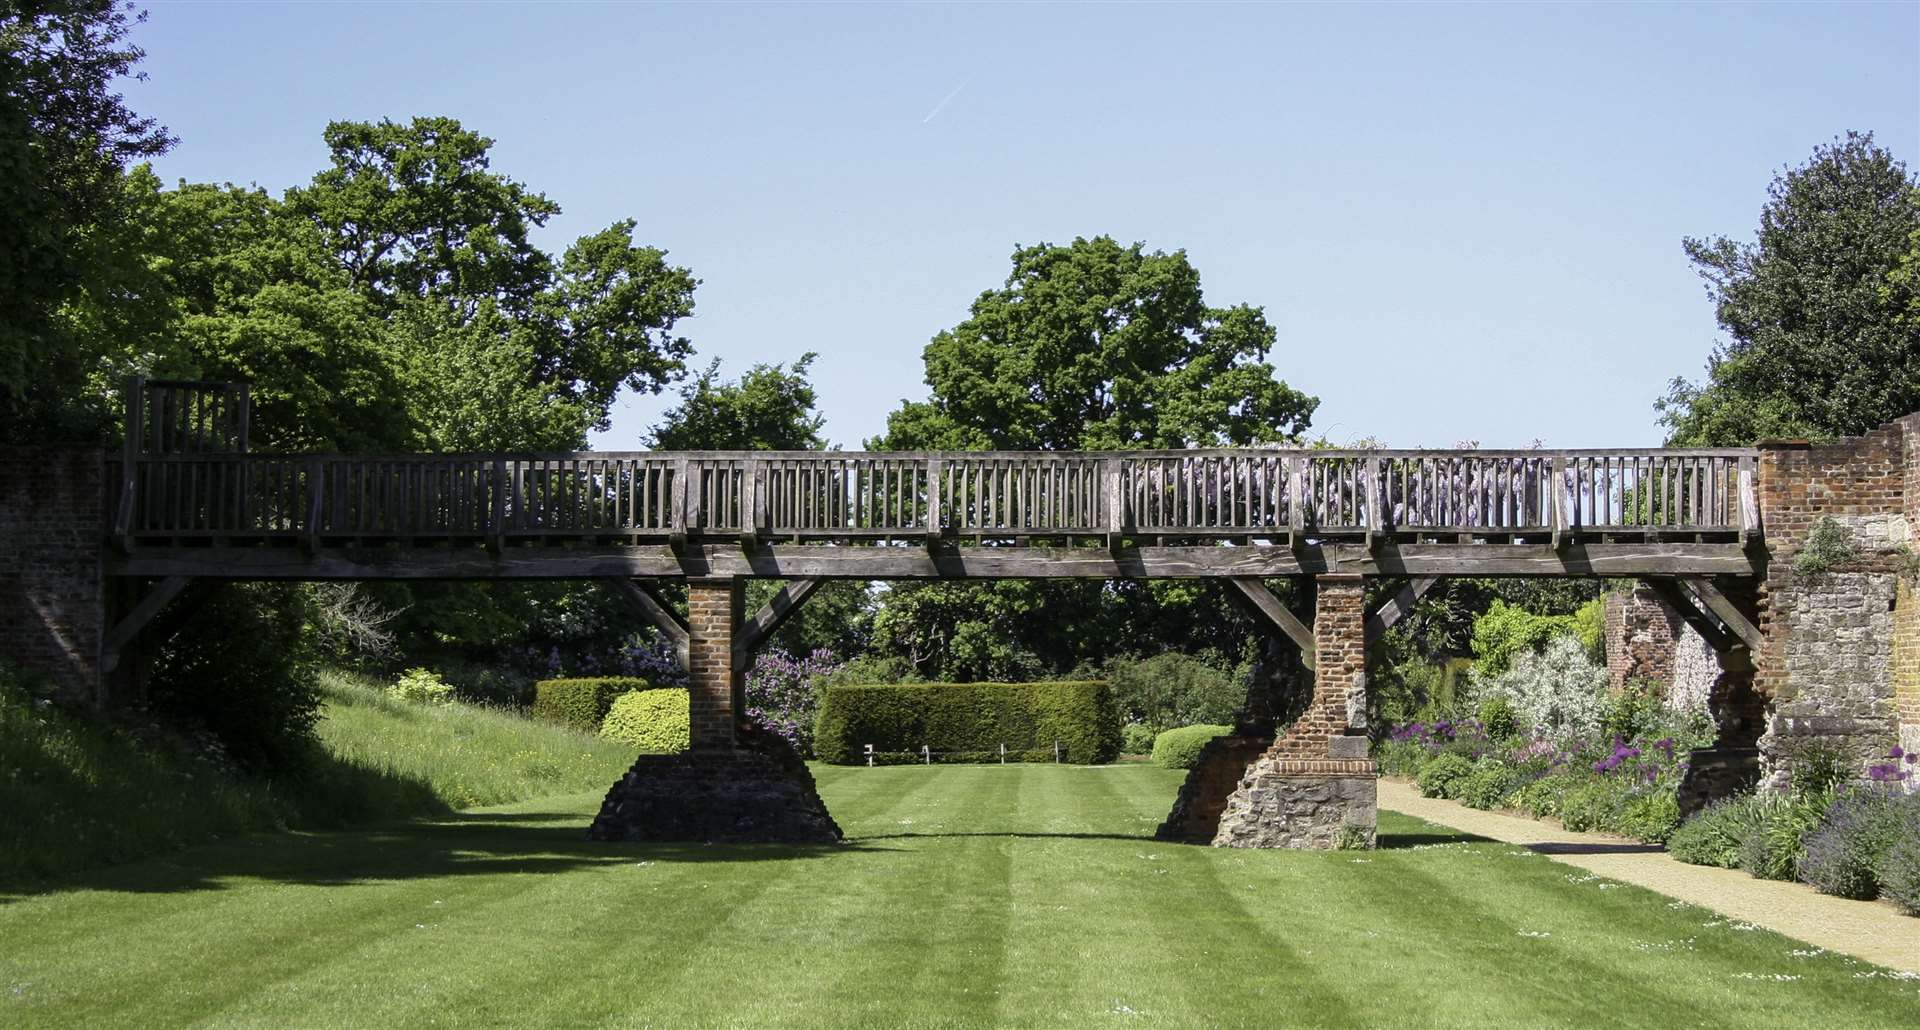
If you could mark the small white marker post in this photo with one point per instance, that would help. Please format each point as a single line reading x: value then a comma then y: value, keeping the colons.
x: 1003, y: 754
x: 1056, y: 752
x: 926, y: 754
x: 869, y: 756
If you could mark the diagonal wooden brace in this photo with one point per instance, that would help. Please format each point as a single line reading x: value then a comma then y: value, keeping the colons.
x: 1399, y: 606
x: 764, y: 623
x: 128, y: 628
x: 641, y: 597
x: 1262, y: 600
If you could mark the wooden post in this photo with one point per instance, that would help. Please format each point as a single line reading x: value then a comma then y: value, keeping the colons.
x: 1296, y: 501
x: 316, y: 476
x: 936, y: 502
x: 1559, y: 508
x: 1116, y: 504
x: 497, y: 527
x: 753, y: 504
x: 1749, y: 503
x: 136, y: 389
x: 677, y: 539
x: 1376, y: 519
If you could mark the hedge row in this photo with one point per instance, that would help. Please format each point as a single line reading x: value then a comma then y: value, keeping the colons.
x: 581, y: 703
x: 900, y: 718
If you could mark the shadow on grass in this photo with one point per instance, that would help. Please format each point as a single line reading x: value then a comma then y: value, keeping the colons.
x: 461, y: 844
x: 1571, y: 848
x: 1016, y: 835
x: 1418, y: 838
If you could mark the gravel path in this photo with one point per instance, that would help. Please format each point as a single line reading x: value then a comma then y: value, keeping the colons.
x: 1867, y: 930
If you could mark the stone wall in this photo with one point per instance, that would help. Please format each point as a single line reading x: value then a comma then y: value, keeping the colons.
x: 1695, y: 668
x: 52, y: 532
x: 1315, y: 787
x: 1838, y: 661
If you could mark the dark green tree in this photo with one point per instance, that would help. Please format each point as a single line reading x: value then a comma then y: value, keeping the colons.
x: 1095, y: 345
x: 1816, y: 343
x: 66, y: 135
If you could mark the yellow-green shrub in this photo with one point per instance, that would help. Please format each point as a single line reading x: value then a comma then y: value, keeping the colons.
x: 651, y: 720
x: 1180, y: 748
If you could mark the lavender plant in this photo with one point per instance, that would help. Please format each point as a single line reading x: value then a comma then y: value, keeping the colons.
x: 783, y: 694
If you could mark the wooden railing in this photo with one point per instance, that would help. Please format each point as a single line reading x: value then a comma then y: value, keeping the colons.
x: 828, y: 496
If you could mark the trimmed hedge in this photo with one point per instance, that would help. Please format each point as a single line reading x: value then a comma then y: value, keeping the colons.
x: 968, y: 721
x: 581, y: 703
x: 1180, y: 748
x: 655, y: 721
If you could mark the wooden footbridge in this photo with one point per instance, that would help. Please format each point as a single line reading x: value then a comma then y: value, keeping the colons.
x: 191, y: 504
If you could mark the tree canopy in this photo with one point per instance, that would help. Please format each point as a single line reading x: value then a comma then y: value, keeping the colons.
x: 65, y: 136
x: 1095, y: 345
x: 770, y: 408
x: 1821, y: 340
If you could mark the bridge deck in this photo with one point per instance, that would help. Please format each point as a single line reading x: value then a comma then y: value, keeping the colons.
x: 1190, y: 513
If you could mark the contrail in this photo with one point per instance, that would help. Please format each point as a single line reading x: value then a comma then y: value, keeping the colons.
x: 937, y: 108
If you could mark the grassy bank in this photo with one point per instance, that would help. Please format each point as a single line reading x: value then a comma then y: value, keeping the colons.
x: 965, y: 896
x: 80, y: 789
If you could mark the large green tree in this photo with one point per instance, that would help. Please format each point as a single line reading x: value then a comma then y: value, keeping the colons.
x: 1097, y: 345
x: 1086, y: 345
x: 66, y: 135
x: 770, y: 408
x: 1816, y: 342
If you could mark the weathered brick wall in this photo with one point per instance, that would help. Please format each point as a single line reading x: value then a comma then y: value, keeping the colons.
x: 1837, y: 641
x: 52, y: 531
x: 713, y: 610
x: 1695, y: 668
x: 1640, y: 634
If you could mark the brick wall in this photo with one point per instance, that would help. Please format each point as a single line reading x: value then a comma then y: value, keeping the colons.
x: 1640, y: 635
x: 713, y: 610
x: 52, y: 531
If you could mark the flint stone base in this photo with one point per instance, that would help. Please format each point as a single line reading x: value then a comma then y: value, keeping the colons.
x: 758, y: 791
x: 1716, y: 773
x: 1290, y: 803
x: 1203, y: 797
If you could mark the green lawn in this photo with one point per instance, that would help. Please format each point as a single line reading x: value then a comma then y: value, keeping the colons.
x: 965, y: 896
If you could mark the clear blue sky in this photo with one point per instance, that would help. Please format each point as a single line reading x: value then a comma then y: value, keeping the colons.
x: 1465, y: 222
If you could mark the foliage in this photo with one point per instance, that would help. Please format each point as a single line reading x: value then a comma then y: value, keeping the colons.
x: 1507, y: 632
x: 1498, y: 716
x: 1813, y: 308
x: 66, y: 135
x: 1485, y: 787
x: 770, y: 408
x: 1713, y: 836
x: 783, y: 694
x: 239, y: 669
x: 655, y: 721
x: 1094, y: 345
x: 421, y: 687
x: 1173, y: 689
x: 1828, y: 546
x: 1180, y: 747
x: 1136, y: 738
x: 1774, y: 843
x: 972, y: 719
x: 1900, y: 871
x: 581, y: 702
x: 1637, y: 709
x: 1558, y: 693
x: 1442, y: 777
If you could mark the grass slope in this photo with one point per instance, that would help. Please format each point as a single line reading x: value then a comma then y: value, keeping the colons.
x: 966, y: 896
x: 465, y: 755
x: 82, y: 789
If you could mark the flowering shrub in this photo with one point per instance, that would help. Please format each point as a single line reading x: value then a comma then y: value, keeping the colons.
x: 1846, y: 853
x: 1558, y: 693
x: 1713, y: 836
x: 783, y: 694
x: 421, y: 687
x: 1900, y: 870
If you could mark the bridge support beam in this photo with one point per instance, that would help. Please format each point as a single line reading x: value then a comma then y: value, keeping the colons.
x: 1315, y: 786
x: 735, y: 782
x: 1312, y: 785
